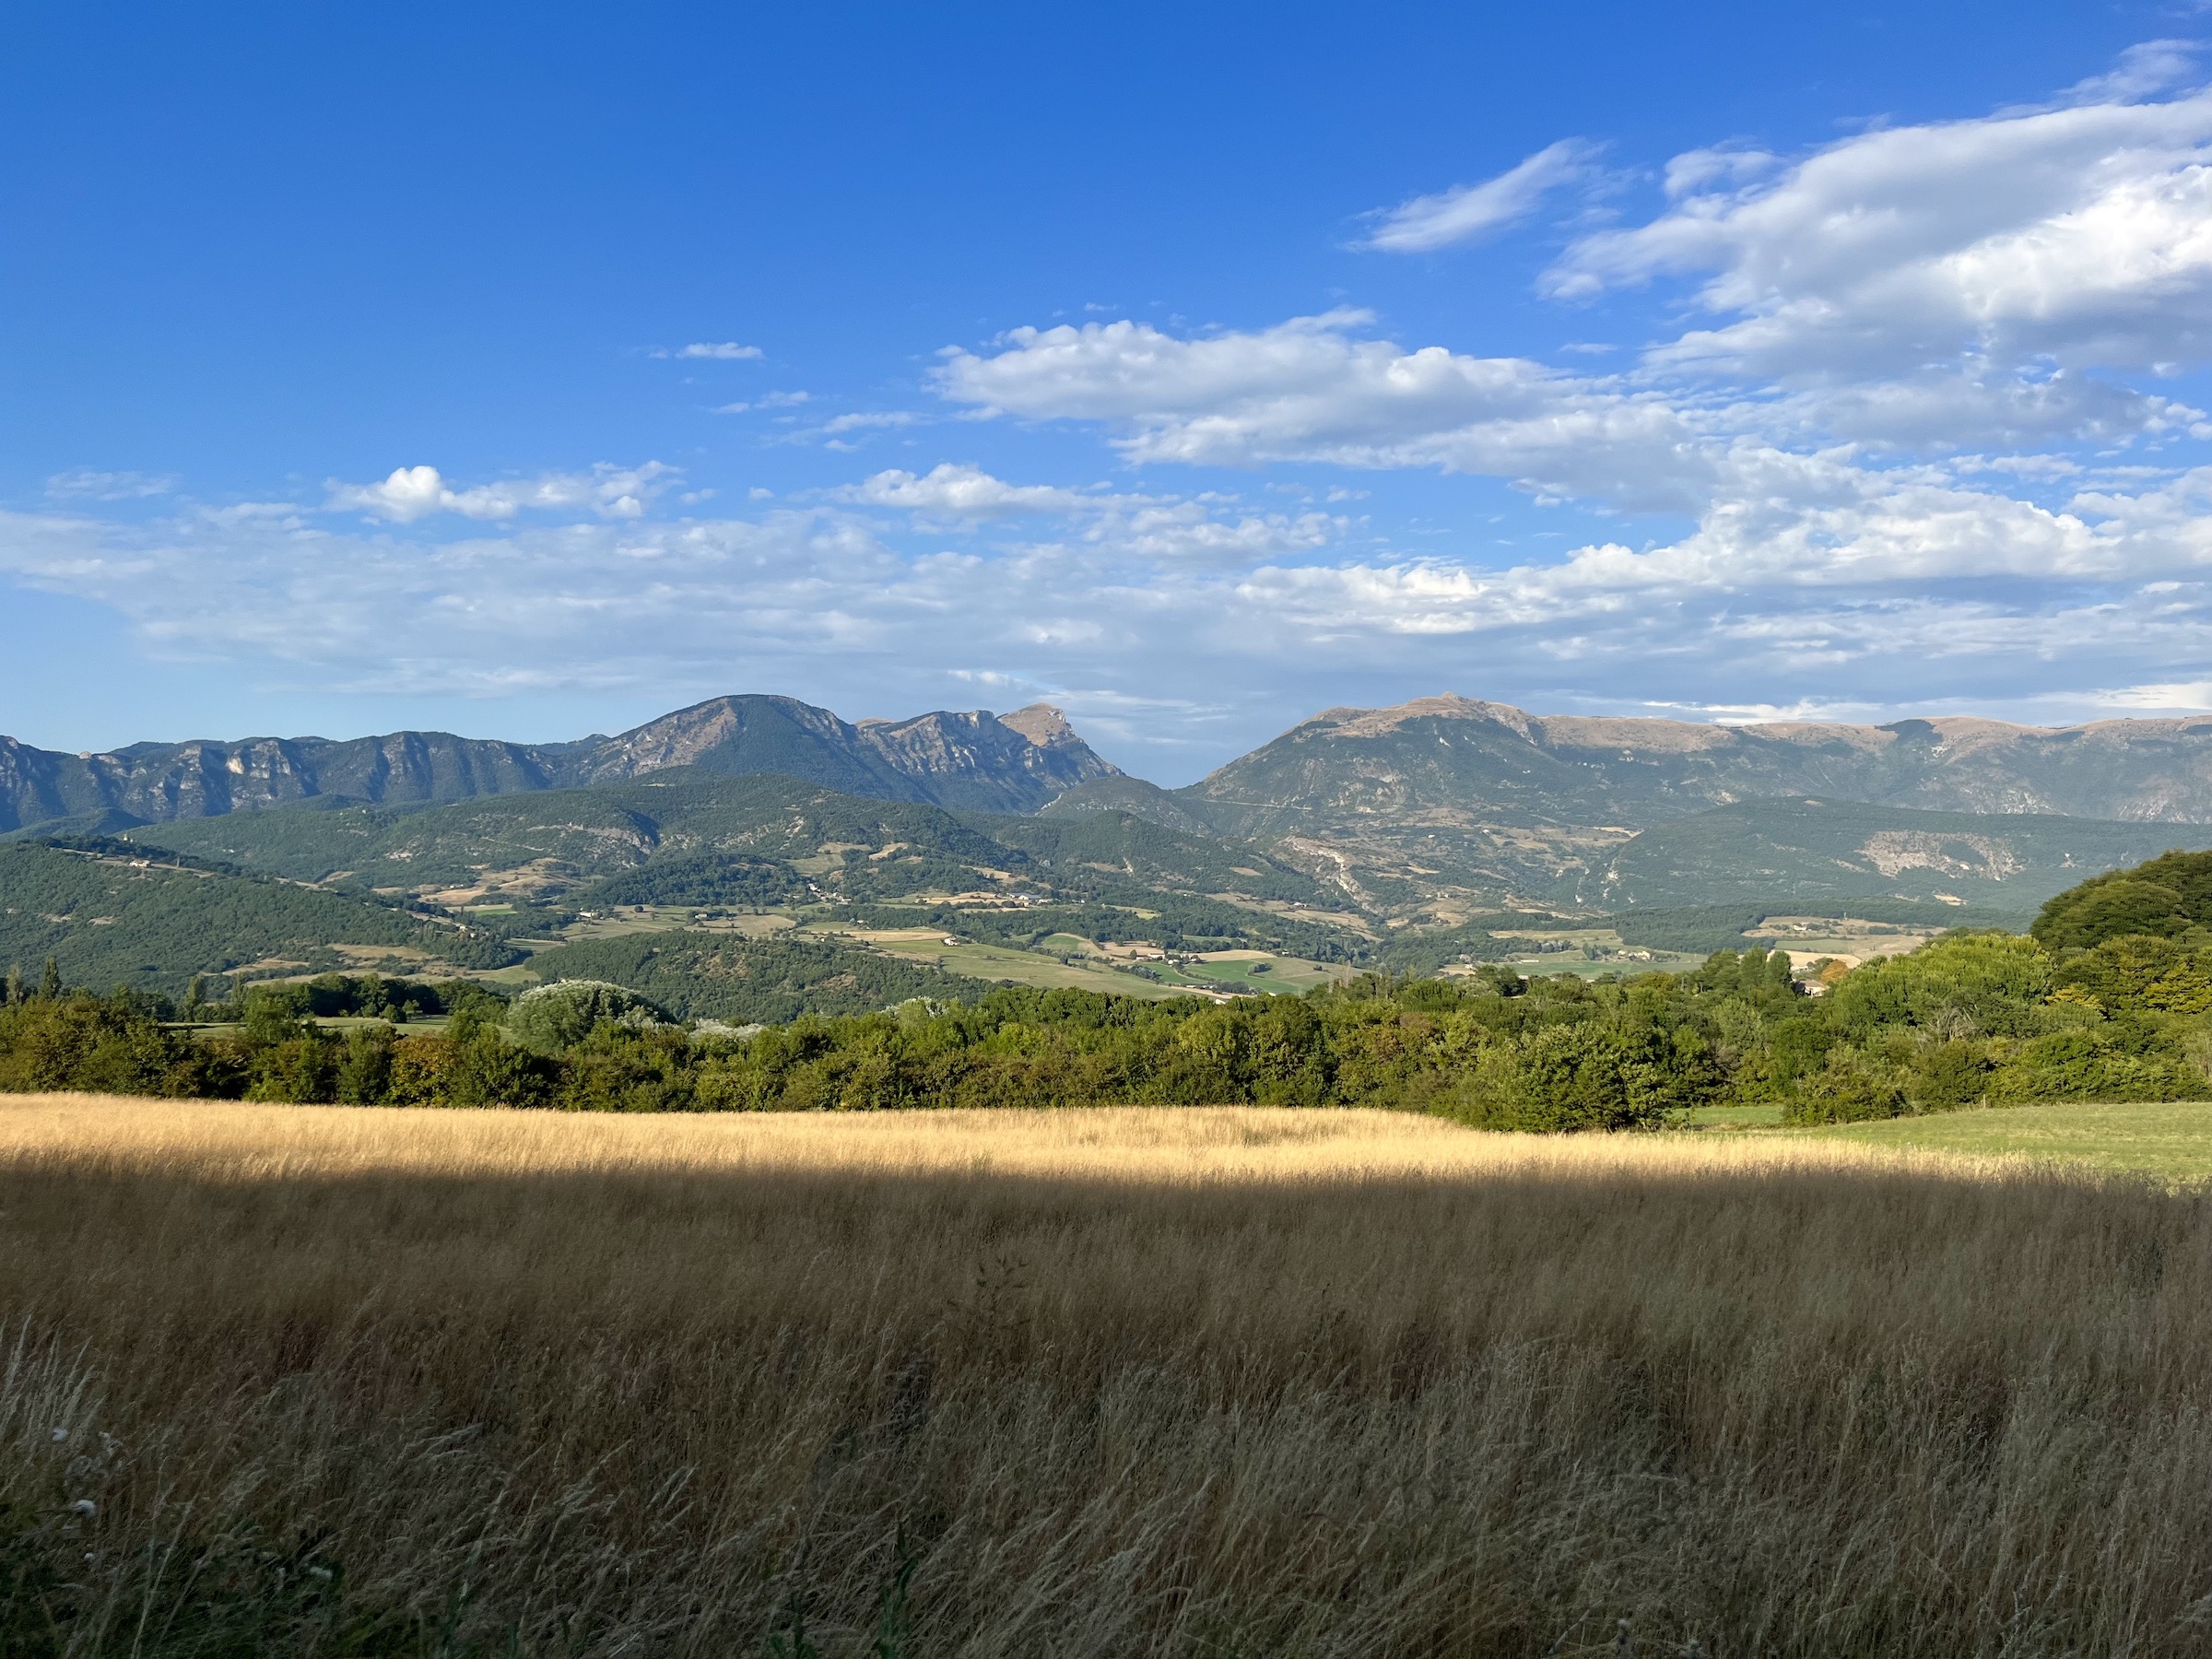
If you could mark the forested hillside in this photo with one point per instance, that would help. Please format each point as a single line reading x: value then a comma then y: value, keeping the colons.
x: 847, y: 846
x: 109, y: 918
x: 708, y: 976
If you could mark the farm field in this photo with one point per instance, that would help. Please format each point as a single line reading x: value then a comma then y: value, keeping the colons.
x: 1097, y: 1383
x: 1064, y: 960
x: 1003, y: 962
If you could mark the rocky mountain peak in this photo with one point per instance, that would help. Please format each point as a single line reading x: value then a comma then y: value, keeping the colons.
x: 1047, y: 727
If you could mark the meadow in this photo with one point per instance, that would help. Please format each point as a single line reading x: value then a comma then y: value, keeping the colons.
x: 336, y: 1381
x: 2167, y: 1140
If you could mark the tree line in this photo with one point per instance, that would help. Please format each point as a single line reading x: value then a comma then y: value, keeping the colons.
x: 1970, y: 1018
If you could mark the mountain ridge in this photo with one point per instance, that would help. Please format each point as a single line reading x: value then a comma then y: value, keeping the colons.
x: 1456, y: 798
x: 969, y: 761
x: 1955, y: 763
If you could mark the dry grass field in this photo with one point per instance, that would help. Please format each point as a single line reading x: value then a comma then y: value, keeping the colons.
x: 305, y: 1381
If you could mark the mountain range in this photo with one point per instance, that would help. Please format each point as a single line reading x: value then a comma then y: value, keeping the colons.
x: 1425, y: 812
x: 1465, y: 801
x: 975, y: 761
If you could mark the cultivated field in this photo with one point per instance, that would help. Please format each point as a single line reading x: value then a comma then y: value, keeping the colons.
x: 344, y: 1381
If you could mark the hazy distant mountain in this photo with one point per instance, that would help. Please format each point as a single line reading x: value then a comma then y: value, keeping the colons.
x: 974, y: 760
x: 1455, y: 793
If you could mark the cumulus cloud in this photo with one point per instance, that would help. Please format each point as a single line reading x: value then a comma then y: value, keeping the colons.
x: 1310, y: 390
x: 1468, y: 211
x: 2080, y: 234
x: 955, y: 490
x: 1879, y: 575
x: 413, y: 492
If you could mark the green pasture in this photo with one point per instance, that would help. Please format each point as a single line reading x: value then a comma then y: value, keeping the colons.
x: 1023, y: 967
x: 2171, y: 1139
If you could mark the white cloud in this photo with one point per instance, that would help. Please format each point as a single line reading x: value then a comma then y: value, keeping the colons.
x: 1468, y: 211
x: 2173, y: 697
x: 773, y: 400
x: 1307, y: 390
x: 1807, y: 578
x: 727, y: 351
x: 1130, y: 525
x: 2081, y: 234
x: 1901, y: 452
x: 2150, y: 66
x: 85, y: 484
x: 1752, y: 557
x: 413, y: 492
x: 954, y: 491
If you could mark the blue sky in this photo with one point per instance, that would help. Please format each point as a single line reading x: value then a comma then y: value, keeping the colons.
x: 533, y: 371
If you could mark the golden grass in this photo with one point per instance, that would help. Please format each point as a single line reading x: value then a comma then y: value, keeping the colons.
x: 1126, y: 1382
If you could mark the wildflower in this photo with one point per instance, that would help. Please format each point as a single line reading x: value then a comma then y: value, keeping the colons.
x: 60, y: 1435
x: 85, y: 1507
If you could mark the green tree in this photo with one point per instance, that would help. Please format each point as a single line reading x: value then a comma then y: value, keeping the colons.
x: 556, y: 1016
x: 2165, y: 898
x: 50, y: 979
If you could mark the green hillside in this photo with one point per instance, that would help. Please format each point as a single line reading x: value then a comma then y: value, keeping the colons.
x: 714, y: 976
x: 1798, y: 854
x: 647, y: 837
x: 109, y: 919
x: 564, y: 839
x: 1111, y: 849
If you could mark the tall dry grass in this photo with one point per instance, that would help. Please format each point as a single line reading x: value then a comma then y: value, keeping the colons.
x: 1089, y: 1383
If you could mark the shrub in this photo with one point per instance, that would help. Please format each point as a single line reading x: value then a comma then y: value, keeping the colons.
x: 1848, y: 1089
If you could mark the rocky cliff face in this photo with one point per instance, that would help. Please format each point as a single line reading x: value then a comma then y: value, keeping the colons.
x: 973, y: 760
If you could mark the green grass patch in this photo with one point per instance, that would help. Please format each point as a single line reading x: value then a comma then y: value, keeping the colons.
x: 1767, y: 1116
x: 2171, y: 1139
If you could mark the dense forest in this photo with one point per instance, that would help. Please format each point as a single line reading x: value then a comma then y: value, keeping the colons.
x: 725, y: 977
